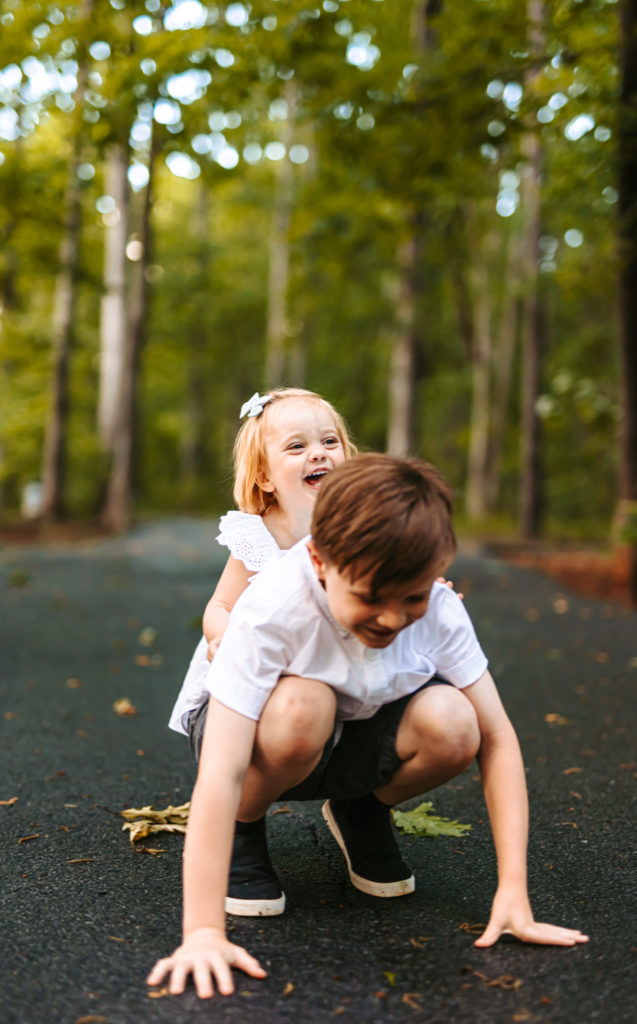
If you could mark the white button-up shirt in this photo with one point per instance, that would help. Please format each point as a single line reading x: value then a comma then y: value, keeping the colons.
x: 282, y: 626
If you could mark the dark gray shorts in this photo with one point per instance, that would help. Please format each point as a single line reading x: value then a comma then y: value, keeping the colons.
x: 363, y: 759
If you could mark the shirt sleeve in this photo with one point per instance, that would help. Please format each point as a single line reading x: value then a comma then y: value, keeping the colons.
x: 456, y: 652
x: 253, y: 655
x: 247, y: 539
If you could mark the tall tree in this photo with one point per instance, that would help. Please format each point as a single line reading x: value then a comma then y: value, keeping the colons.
x: 530, y: 483
x: 627, y: 511
x: 55, y: 438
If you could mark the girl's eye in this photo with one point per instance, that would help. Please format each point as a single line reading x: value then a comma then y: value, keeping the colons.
x: 331, y: 441
x: 295, y: 446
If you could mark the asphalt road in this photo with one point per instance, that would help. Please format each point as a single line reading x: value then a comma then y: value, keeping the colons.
x: 84, y: 913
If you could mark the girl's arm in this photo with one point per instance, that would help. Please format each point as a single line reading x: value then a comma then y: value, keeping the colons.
x: 205, y: 952
x: 504, y: 785
x: 232, y: 582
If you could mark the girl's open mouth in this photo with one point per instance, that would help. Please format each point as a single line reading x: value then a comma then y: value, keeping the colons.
x: 315, y: 479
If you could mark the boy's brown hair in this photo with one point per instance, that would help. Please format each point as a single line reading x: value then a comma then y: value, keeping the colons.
x: 384, y: 515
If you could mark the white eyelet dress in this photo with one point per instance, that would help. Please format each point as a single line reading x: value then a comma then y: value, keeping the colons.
x: 248, y: 540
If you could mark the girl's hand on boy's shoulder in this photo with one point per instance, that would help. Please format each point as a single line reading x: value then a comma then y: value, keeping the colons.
x: 511, y: 914
x: 207, y: 955
x: 213, y: 647
x: 448, y: 583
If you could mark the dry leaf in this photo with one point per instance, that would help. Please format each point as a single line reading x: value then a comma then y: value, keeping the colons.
x: 555, y: 719
x: 74, y: 684
x: 146, y: 821
x: 471, y: 929
x: 116, y: 938
x: 158, y: 993
x: 571, y: 823
x: 26, y: 839
x: 8, y: 803
x: 152, y: 850
x: 92, y: 1018
x: 410, y: 999
x: 572, y: 771
x: 281, y: 810
x: 289, y: 987
x: 124, y: 707
x: 80, y: 860
x: 148, y: 637
x: 142, y: 659
x: 419, y: 943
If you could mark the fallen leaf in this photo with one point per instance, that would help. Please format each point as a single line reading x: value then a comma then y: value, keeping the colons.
x: 571, y: 823
x: 420, y: 822
x: 391, y: 978
x: 124, y: 707
x: 142, y: 659
x: 158, y: 993
x: 555, y: 719
x: 601, y: 657
x: 281, y: 810
x: 419, y: 943
x: 92, y: 1018
x: 8, y: 803
x: 73, y: 684
x: 560, y: 606
x: 572, y: 771
x: 289, y: 987
x: 80, y: 860
x: 338, y: 1011
x: 622, y: 767
x: 26, y: 839
x: 116, y: 938
x: 471, y: 929
x: 145, y: 821
x: 148, y: 637
x: 9, y: 716
x: 410, y: 999
x: 578, y: 796
x: 152, y: 850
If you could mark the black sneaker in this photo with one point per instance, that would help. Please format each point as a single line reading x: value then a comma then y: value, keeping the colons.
x: 253, y: 888
x: 363, y: 830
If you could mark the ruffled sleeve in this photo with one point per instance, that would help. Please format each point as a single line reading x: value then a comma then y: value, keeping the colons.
x: 248, y: 539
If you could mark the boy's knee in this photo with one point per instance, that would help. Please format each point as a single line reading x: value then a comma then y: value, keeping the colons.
x: 299, y: 717
x: 448, y: 723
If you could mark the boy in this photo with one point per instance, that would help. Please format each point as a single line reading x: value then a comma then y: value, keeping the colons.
x: 346, y: 673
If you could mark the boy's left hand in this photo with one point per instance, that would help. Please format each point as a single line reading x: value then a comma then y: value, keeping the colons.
x: 511, y: 914
x: 448, y: 583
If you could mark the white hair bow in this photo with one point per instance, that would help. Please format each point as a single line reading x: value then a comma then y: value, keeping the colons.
x: 254, y: 405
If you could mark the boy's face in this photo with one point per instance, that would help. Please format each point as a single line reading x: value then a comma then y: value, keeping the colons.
x: 374, y: 618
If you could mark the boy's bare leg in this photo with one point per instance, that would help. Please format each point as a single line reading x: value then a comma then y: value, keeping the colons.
x: 437, y: 738
x: 296, y: 723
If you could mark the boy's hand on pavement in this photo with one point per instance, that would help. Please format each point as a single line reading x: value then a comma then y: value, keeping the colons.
x: 213, y: 647
x: 207, y: 955
x: 511, y: 914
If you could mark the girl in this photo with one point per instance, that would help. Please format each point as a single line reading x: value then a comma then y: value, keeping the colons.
x: 290, y: 439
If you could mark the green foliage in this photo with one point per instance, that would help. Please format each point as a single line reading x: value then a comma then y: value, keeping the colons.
x: 422, y: 126
x: 421, y: 822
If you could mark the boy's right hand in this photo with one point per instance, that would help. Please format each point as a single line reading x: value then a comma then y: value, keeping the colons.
x: 208, y: 955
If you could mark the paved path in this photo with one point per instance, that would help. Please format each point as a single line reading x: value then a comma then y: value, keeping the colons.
x: 84, y: 914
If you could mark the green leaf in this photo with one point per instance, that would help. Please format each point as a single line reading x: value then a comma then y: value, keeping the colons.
x: 421, y: 822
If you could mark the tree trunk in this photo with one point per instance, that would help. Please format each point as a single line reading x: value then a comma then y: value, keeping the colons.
x: 476, y: 496
x: 113, y: 327
x: 503, y: 370
x: 118, y: 506
x: 54, y: 454
x: 626, y: 517
x: 530, y: 497
x: 279, y: 266
x: 194, y: 413
x: 402, y: 375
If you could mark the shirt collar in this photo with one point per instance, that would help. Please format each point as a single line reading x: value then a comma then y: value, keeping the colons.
x: 318, y: 591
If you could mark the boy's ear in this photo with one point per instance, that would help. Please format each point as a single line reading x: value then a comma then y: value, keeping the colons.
x: 317, y: 560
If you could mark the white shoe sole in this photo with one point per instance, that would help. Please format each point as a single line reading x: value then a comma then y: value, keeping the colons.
x: 255, y: 908
x: 384, y: 890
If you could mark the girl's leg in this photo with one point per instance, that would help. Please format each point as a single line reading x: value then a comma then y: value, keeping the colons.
x: 437, y: 738
x: 296, y: 723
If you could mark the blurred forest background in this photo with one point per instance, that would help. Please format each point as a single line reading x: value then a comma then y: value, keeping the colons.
x: 423, y: 209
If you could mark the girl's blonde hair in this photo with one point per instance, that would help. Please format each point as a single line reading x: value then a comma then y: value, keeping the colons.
x: 249, y: 449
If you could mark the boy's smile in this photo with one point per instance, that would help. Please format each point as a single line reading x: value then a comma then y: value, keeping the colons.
x: 374, y: 618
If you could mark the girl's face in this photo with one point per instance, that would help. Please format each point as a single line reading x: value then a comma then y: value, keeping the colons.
x: 301, y: 445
